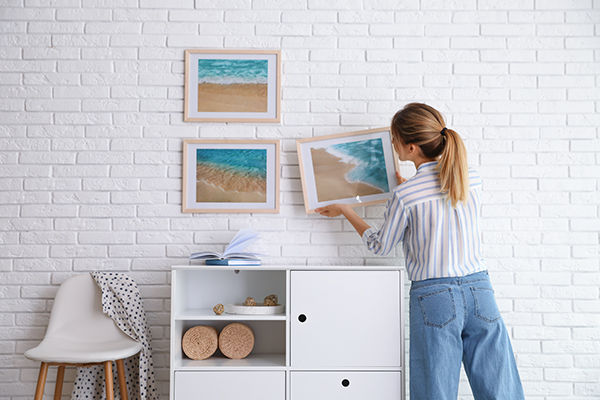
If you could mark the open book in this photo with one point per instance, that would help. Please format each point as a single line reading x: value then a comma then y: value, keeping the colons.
x: 234, y: 250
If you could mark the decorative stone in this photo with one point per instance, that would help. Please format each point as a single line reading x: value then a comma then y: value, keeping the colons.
x: 270, y: 300
x: 218, y: 309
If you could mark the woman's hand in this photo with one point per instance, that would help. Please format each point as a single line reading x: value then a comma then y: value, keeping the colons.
x: 401, y: 180
x: 335, y: 210
x: 331, y: 211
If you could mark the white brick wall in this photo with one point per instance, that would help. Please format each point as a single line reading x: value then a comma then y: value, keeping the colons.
x: 91, y: 126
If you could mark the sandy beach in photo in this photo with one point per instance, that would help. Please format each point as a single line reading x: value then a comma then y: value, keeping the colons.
x: 236, y: 97
x: 330, y: 178
x: 218, y: 186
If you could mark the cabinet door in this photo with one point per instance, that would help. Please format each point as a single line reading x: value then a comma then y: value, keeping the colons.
x: 345, y: 319
x: 219, y: 385
x: 346, y: 385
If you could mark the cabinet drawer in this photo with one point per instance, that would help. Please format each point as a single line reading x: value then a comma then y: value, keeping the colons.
x: 346, y: 385
x: 219, y: 385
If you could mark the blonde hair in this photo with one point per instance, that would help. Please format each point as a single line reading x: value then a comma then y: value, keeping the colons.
x: 424, y: 126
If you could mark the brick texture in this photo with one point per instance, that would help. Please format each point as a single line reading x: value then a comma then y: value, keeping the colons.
x: 91, y: 130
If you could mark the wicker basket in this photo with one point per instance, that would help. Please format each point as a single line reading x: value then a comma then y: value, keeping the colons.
x: 236, y: 340
x: 200, y: 342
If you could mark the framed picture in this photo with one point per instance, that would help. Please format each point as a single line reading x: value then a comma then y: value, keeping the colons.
x: 356, y: 168
x: 233, y: 176
x: 232, y: 86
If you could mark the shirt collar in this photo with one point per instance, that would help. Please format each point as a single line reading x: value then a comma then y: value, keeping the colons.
x: 428, y: 166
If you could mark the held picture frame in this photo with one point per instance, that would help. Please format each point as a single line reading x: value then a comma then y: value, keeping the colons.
x: 356, y: 168
x: 230, y: 176
x: 232, y: 86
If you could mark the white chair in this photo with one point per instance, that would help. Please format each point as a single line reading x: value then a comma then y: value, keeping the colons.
x: 80, y: 334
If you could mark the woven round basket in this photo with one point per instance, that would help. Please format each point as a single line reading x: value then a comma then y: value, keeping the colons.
x: 200, y: 342
x: 236, y: 340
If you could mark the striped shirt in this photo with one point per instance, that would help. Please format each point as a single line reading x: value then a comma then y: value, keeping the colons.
x: 439, y: 241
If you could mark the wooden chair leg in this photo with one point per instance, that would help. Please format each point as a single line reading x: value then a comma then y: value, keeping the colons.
x: 39, y: 391
x: 108, y: 376
x: 60, y: 377
x: 122, y: 381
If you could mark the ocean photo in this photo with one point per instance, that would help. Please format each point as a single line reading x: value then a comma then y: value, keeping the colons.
x: 226, y: 85
x: 347, y: 170
x: 231, y: 175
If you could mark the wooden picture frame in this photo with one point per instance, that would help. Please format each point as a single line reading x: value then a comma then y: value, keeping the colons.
x: 355, y: 168
x: 232, y: 176
x: 232, y: 86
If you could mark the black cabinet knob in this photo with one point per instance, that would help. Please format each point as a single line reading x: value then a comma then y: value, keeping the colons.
x: 301, y: 317
x: 345, y: 383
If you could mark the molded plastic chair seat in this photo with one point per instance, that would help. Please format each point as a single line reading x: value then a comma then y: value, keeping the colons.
x: 72, y: 352
x: 79, y: 333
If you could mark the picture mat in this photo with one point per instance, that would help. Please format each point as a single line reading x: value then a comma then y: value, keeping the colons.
x: 191, y: 106
x: 308, y: 174
x: 189, y: 203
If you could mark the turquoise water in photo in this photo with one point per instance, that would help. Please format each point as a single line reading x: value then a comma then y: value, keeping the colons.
x: 226, y: 72
x: 369, y: 159
x: 242, y: 162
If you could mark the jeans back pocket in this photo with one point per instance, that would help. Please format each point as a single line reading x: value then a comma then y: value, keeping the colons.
x: 438, y: 308
x: 485, y: 304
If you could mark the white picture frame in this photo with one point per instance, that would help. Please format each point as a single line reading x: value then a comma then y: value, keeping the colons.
x: 230, y: 176
x: 335, y: 168
x: 232, y: 86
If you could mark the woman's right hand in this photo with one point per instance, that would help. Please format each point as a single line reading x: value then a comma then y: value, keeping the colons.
x: 335, y: 210
x: 332, y: 210
x: 401, y: 180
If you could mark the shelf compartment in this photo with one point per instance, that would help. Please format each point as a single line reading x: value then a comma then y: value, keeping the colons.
x: 268, y: 351
x: 204, y: 289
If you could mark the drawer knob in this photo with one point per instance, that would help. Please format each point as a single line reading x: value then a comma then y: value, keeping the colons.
x: 301, y: 317
x: 345, y: 383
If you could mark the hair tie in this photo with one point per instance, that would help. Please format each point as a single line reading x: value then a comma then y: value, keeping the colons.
x: 443, y: 132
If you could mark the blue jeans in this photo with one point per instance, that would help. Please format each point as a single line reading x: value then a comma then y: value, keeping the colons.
x: 454, y: 320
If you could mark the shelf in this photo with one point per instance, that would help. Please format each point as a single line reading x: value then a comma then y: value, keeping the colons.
x: 207, y: 314
x: 259, y: 361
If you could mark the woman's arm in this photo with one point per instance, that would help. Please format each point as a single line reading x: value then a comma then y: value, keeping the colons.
x: 379, y: 242
x: 335, y: 210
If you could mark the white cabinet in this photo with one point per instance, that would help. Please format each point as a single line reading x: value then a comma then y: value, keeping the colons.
x: 341, y: 336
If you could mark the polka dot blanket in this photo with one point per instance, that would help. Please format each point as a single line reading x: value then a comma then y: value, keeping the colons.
x: 122, y: 302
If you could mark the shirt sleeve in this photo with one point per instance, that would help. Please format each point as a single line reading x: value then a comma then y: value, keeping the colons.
x: 391, y: 233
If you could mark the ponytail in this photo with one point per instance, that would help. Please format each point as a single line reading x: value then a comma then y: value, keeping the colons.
x: 453, y: 168
x: 425, y: 127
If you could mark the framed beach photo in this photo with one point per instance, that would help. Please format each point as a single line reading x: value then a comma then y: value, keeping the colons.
x: 233, y: 176
x: 355, y: 168
x: 232, y: 86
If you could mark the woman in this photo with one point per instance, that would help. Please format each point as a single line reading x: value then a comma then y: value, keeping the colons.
x: 435, y: 215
